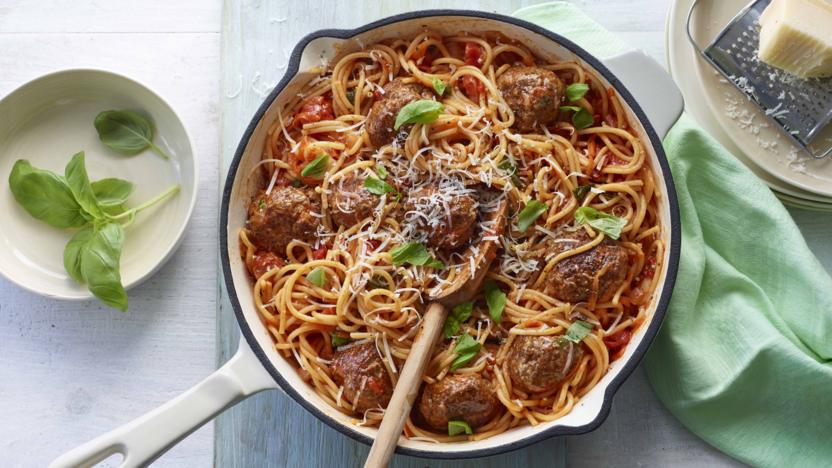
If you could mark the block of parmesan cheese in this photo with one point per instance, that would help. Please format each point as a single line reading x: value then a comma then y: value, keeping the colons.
x: 796, y: 36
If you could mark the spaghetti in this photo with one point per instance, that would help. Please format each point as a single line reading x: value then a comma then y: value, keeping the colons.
x: 329, y: 282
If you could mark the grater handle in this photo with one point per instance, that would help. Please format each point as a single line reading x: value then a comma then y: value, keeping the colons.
x: 651, y: 86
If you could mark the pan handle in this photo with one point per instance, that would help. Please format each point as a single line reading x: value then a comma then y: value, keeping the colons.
x: 149, y: 436
x: 651, y: 87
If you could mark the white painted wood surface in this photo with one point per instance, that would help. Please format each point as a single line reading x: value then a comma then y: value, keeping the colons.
x: 70, y: 371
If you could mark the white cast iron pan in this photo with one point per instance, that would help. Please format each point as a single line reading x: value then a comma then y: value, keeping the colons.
x: 649, y: 96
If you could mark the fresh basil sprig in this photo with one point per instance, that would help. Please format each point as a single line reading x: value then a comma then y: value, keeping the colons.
x: 423, y: 111
x: 580, y: 192
x: 456, y: 427
x: 576, y: 91
x: 46, y: 196
x: 93, y: 254
x: 456, y: 317
x: 439, y: 86
x: 377, y: 186
x: 466, y: 349
x: 414, y: 253
x: 581, y: 118
x: 578, y: 331
x: 529, y: 214
x: 316, y: 168
x: 112, y: 192
x: 339, y: 340
x: 610, y: 225
x: 496, y: 300
x: 317, y: 277
x: 126, y: 132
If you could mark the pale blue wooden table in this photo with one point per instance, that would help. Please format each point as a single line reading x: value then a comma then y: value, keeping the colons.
x: 272, y: 430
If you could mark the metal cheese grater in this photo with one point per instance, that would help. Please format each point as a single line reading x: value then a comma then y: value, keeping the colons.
x: 801, y: 108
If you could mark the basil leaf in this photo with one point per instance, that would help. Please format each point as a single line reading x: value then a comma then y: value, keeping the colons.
x: 377, y: 186
x: 510, y: 165
x: 580, y: 192
x: 378, y: 282
x: 381, y: 171
x: 458, y: 315
x: 100, y: 259
x: 316, y: 168
x: 423, y: 111
x: 72, y: 253
x: 45, y: 196
x: 351, y: 96
x: 126, y: 132
x: 466, y: 349
x: 414, y: 253
x: 576, y: 91
x: 79, y: 183
x: 439, y: 86
x: 529, y: 214
x: 456, y: 427
x: 496, y: 300
x: 338, y: 340
x: 581, y: 118
x: 608, y: 224
x: 317, y: 277
x: 578, y: 331
x: 112, y: 191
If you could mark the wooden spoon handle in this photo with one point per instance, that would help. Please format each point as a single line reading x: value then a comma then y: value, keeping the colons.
x: 407, y: 387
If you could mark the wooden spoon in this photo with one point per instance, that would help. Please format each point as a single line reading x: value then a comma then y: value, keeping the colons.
x: 407, y: 387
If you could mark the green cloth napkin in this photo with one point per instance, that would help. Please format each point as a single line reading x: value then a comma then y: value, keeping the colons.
x: 743, y: 358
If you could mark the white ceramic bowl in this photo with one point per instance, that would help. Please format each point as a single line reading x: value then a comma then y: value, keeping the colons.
x: 47, y: 121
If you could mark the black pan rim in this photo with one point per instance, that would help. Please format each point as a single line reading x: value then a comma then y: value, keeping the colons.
x: 661, y: 306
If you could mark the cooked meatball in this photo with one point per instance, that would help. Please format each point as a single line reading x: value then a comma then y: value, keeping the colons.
x: 540, y: 363
x: 595, y: 274
x: 448, y: 219
x: 351, y: 202
x: 361, y: 371
x: 285, y: 214
x: 382, y: 116
x: 532, y: 93
x: 466, y: 397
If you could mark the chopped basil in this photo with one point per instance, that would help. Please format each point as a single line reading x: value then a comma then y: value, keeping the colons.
x: 439, y: 86
x: 608, y: 224
x: 317, y: 167
x: 414, y: 253
x: 529, y: 214
x: 351, y: 96
x: 295, y: 182
x: 458, y: 315
x: 576, y: 91
x: 377, y: 186
x: 381, y: 171
x: 581, y: 192
x: 496, y: 300
x: 466, y: 349
x: 377, y: 282
x: 456, y: 427
x: 510, y: 165
x: 578, y: 331
x: 317, y: 277
x: 581, y: 118
x: 423, y: 111
x: 338, y: 340
x: 262, y: 203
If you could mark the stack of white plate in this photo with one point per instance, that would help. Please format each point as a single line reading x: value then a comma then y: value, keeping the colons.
x: 723, y: 111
